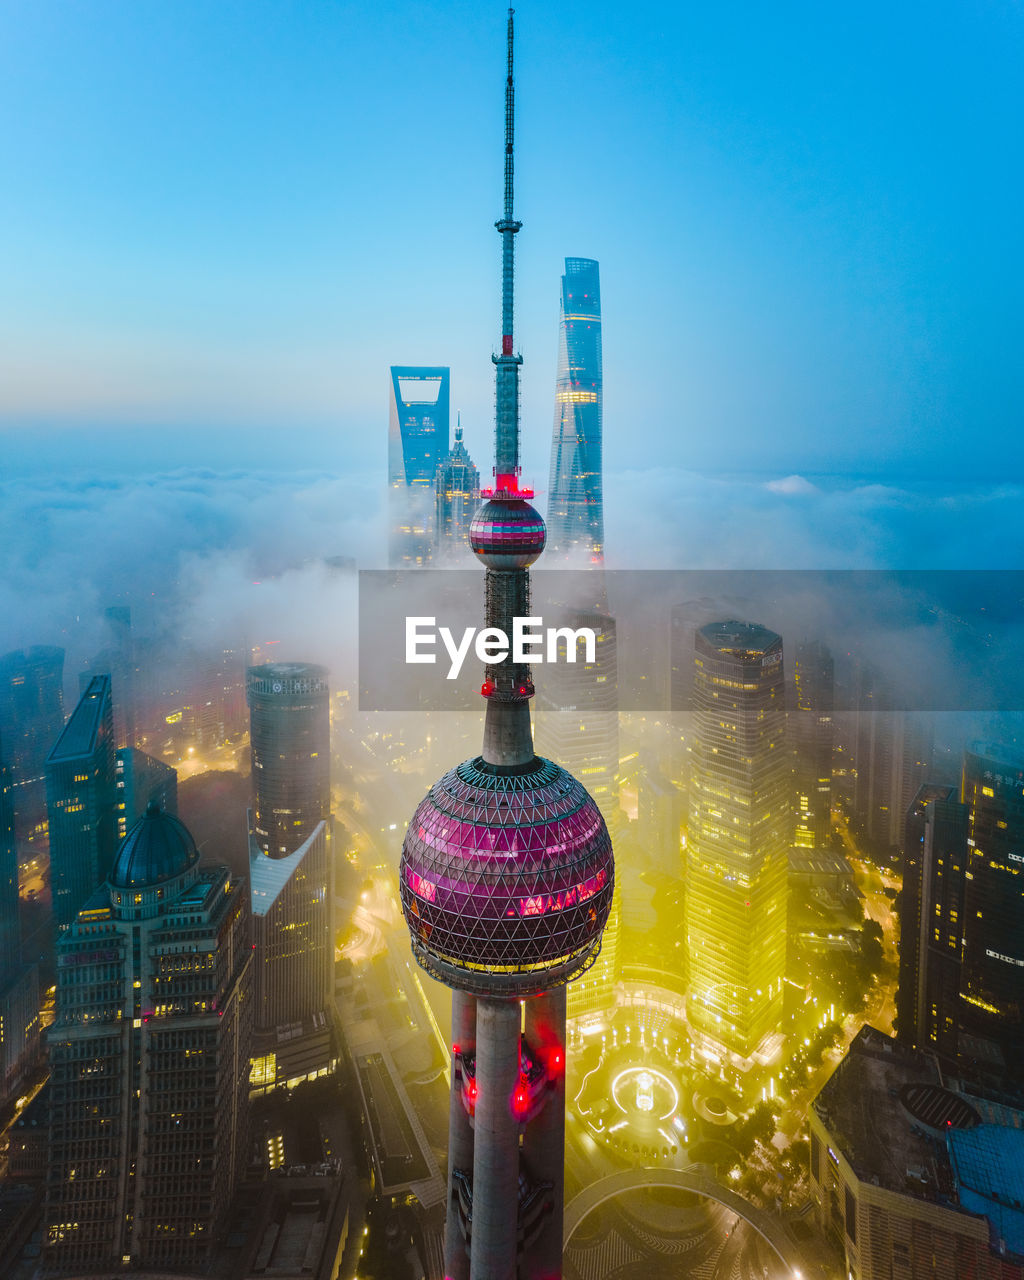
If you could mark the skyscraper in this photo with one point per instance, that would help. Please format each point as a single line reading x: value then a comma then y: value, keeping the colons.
x: 289, y: 870
x: 10, y: 929
x: 992, y: 987
x: 961, y: 985
x: 81, y: 800
x: 811, y: 730
x: 506, y: 879
x: 457, y: 488
x: 740, y: 832
x: 932, y: 922
x: 575, y: 499
x: 31, y: 718
x: 290, y: 742
x: 417, y: 442
x: 19, y: 985
x: 892, y: 751
x: 142, y: 780
x: 149, y: 1058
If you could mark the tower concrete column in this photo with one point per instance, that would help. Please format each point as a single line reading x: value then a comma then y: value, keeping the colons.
x: 460, y: 1135
x: 496, y: 1145
x: 544, y: 1139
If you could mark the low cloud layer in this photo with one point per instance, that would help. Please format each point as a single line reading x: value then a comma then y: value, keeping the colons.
x: 240, y: 558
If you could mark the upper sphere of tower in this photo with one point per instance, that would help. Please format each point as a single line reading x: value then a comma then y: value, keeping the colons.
x: 507, y: 533
x: 506, y: 878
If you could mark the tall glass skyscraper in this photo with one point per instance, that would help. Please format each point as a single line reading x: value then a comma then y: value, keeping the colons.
x: 738, y: 844
x: 81, y: 802
x: 290, y: 871
x: 417, y: 441
x: 575, y: 498
x: 457, y: 489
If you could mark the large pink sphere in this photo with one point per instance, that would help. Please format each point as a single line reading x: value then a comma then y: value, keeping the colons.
x: 507, y: 533
x: 506, y: 878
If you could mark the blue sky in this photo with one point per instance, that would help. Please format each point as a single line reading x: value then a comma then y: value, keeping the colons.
x: 224, y: 221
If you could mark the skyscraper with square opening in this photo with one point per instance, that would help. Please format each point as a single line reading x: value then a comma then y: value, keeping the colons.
x: 418, y: 428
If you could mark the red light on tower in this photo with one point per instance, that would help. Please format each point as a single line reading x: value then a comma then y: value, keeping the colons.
x: 471, y: 1091
x: 557, y: 1060
x: 520, y: 1100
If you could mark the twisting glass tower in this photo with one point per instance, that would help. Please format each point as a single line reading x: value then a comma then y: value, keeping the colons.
x: 576, y: 501
x: 506, y: 881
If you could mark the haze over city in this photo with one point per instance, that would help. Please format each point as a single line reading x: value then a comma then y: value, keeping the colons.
x: 705, y: 961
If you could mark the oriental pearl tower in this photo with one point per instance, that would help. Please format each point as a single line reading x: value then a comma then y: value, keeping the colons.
x: 506, y: 881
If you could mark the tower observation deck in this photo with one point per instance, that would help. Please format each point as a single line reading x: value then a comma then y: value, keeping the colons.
x: 506, y: 881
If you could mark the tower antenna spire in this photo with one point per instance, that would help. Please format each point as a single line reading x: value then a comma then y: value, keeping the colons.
x: 506, y: 443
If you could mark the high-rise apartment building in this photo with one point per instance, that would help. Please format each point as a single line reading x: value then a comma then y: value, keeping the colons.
x: 457, y: 496
x: 81, y: 802
x: 290, y: 871
x: 506, y: 878
x: 418, y: 434
x: 811, y: 734
x: 740, y: 832
x: 575, y: 499
x: 149, y: 1060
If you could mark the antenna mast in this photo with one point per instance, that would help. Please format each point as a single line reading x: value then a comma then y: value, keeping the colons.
x: 506, y: 468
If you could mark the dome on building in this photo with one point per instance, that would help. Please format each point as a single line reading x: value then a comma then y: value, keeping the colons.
x: 506, y: 878
x: 507, y: 533
x: 157, y: 848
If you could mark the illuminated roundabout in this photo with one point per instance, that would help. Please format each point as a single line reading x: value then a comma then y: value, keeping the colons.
x: 633, y: 1106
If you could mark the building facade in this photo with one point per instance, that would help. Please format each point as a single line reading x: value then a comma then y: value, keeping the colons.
x: 81, y: 802
x: 740, y: 832
x: 149, y: 1060
x: 418, y: 435
x: 576, y: 496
